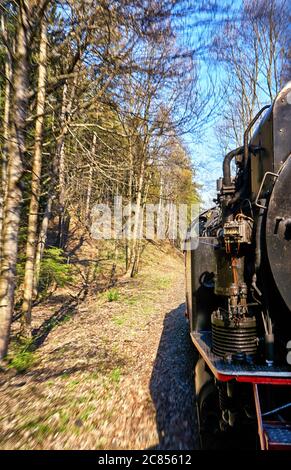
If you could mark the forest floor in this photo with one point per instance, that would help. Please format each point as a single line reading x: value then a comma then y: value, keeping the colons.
x: 112, y: 370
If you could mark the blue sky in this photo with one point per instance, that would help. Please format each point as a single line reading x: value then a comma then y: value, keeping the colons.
x: 208, y: 164
x: 205, y: 151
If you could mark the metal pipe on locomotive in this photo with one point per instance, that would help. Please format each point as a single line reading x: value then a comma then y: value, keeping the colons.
x: 238, y: 290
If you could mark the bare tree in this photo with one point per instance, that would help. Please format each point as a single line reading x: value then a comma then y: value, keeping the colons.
x: 16, y: 151
x: 27, y: 10
x: 35, y: 183
x: 94, y: 122
x: 251, y: 47
x: 4, y: 150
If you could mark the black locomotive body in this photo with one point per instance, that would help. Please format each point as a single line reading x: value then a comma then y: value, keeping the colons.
x: 238, y: 295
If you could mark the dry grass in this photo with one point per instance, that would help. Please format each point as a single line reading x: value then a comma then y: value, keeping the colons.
x: 89, y: 385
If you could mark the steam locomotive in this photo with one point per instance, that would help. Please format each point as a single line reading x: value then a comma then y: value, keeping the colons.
x: 238, y: 291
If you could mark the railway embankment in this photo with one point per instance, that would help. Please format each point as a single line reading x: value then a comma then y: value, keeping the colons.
x: 109, y: 370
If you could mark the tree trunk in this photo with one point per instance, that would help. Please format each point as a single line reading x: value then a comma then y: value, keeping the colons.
x: 41, y: 244
x: 58, y: 158
x: 64, y: 219
x: 136, y: 230
x: 13, y: 201
x: 4, y: 160
x: 35, y: 185
x: 138, y: 243
x: 89, y: 187
x: 62, y: 216
x: 128, y: 253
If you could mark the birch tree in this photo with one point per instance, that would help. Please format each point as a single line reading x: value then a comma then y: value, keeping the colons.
x: 27, y: 9
x: 16, y: 149
x: 4, y: 149
x: 35, y: 183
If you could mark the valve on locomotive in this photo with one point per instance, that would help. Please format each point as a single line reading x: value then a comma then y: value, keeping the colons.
x: 234, y: 332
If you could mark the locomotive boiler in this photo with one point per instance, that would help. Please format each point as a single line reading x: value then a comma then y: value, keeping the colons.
x: 238, y: 291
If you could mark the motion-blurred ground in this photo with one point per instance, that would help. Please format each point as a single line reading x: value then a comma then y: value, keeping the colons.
x: 116, y: 373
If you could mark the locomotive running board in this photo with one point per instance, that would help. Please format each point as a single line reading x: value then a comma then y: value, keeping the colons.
x: 273, y: 435
x: 252, y: 373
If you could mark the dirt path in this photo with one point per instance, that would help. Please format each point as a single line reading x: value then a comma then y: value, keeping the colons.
x: 114, y: 375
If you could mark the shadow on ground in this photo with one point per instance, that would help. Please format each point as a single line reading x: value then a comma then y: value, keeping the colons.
x: 64, y: 313
x: 172, y: 385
